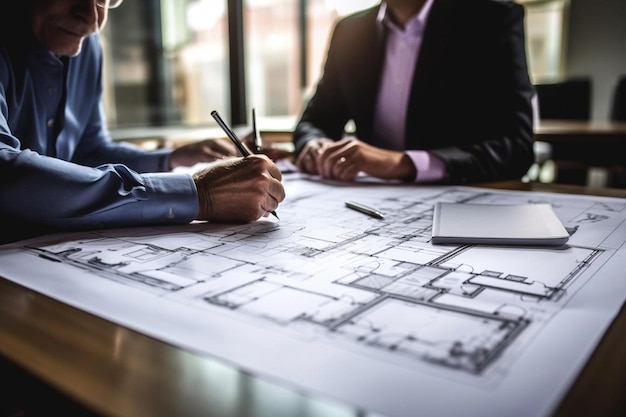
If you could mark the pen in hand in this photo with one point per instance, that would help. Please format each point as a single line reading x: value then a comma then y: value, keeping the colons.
x: 229, y: 132
x: 233, y: 137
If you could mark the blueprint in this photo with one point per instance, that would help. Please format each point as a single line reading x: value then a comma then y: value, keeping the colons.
x: 363, y: 310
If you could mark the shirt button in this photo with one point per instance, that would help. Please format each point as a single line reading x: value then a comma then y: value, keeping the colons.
x: 50, y: 122
x: 52, y: 90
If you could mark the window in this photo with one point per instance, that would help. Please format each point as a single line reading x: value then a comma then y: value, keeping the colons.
x: 545, y: 37
x: 171, y: 62
x: 168, y: 62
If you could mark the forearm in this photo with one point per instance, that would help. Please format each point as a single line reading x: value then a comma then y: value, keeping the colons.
x: 500, y: 159
x: 128, y: 154
x: 67, y: 196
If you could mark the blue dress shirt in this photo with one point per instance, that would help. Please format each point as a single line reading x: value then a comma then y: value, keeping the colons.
x: 59, y: 168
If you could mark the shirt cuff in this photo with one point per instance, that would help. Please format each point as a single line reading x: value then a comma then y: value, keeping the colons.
x: 172, y: 198
x: 429, y: 168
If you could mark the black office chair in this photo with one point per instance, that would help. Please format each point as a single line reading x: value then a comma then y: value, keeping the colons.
x: 617, y: 175
x: 569, y: 99
x: 618, y: 105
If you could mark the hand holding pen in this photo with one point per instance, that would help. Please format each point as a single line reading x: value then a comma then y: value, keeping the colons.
x: 242, y: 148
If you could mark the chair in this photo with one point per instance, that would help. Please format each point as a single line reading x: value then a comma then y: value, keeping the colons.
x: 618, y: 105
x: 617, y: 176
x: 569, y: 99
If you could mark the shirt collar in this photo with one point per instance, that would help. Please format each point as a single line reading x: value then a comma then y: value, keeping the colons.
x: 416, y: 23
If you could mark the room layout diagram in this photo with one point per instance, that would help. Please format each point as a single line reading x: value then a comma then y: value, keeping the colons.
x: 335, y: 276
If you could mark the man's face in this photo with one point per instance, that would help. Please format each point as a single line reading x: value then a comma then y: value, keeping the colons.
x: 62, y: 25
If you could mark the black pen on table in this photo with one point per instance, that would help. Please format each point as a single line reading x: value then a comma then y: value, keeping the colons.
x: 364, y: 209
x: 233, y: 137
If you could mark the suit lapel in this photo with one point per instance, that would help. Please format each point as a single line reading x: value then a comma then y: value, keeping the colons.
x: 373, y: 64
x: 437, y: 38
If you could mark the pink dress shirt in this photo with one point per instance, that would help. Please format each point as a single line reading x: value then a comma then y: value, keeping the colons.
x: 401, y: 52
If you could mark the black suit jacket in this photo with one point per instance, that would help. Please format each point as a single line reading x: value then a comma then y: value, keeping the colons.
x: 470, y: 103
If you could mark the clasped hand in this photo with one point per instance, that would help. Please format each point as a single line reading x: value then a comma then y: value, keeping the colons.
x: 344, y: 159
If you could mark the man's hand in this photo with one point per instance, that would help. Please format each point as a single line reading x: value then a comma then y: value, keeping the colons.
x: 239, y: 189
x: 273, y: 151
x: 309, y: 156
x: 344, y: 159
x: 205, y: 151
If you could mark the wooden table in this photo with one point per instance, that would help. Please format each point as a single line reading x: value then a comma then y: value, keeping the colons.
x: 597, y: 143
x: 579, y: 145
x: 556, y: 131
x: 113, y: 371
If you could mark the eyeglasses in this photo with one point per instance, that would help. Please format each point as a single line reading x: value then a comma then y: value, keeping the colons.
x: 108, y: 4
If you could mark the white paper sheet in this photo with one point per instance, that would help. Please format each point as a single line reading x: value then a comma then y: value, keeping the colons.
x: 362, y: 310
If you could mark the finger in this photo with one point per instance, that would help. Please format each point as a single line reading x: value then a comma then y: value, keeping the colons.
x: 345, y: 158
x: 225, y: 151
x: 210, y: 155
x: 306, y: 162
x: 302, y: 157
x: 341, y: 166
x: 308, y: 159
x: 329, y: 159
x: 347, y: 168
x: 276, y: 190
x: 324, y: 162
x: 268, y: 206
x: 265, y: 165
x: 274, y: 171
x: 311, y: 162
x: 217, y: 149
x: 348, y: 172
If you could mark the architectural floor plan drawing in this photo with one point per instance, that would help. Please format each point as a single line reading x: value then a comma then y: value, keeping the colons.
x: 330, y: 288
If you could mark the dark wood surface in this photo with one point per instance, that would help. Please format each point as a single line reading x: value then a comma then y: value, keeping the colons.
x: 580, y: 130
x: 555, y: 188
x: 594, y: 143
x: 110, y: 370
